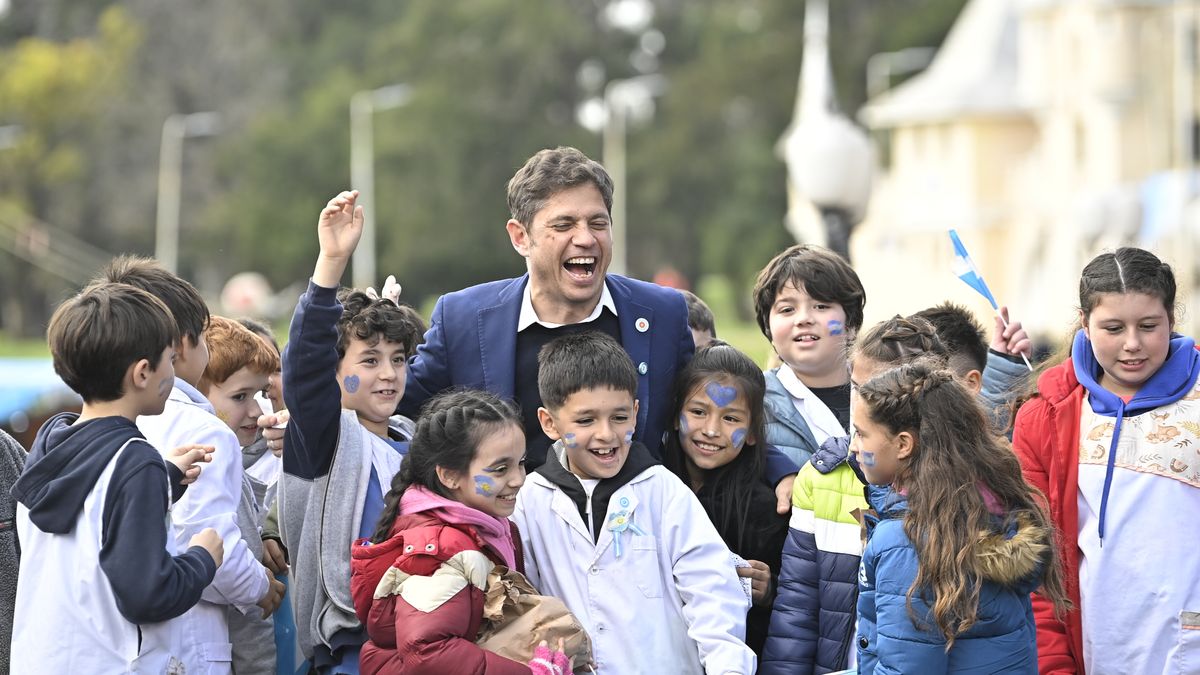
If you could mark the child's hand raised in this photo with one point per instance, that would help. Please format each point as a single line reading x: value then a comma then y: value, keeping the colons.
x: 340, y: 225
x: 1010, y: 339
x: 339, y: 228
x: 188, y: 458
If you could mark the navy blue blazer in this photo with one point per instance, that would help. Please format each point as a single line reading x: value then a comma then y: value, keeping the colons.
x: 472, y: 342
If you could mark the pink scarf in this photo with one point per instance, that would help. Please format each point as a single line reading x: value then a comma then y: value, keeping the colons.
x: 495, y: 532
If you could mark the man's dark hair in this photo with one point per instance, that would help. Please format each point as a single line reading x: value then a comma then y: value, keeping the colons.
x: 182, y: 298
x: 700, y: 317
x: 965, y: 340
x: 587, y: 360
x: 819, y: 272
x: 97, y: 335
x: 550, y: 172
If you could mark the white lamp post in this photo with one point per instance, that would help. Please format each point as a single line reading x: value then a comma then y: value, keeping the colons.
x: 828, y: 158
x: 170, y: 171
x: 623, y: 99
x: 362, y: 169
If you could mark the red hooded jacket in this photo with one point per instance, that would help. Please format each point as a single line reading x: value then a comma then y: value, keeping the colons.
x: 1046, y: 440
x: 425, y: 623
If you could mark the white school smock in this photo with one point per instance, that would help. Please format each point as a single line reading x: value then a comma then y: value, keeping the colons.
x: 671, y: 603
x: 70, y: 623
x: 212, y: 501
x: 1140, y: 591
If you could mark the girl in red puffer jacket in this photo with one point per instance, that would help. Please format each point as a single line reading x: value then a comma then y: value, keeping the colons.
x: 419, y: 582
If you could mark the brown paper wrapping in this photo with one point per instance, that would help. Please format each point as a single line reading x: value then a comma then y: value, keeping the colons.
x: 516, y: 619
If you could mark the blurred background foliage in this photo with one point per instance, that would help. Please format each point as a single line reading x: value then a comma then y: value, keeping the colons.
x: 90, y: 83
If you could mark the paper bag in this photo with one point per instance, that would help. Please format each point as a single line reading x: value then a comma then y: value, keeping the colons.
x: 516, y: 619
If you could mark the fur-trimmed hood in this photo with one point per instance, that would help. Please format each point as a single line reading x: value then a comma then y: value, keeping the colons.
x: 1015, y: 557
x: 1012, y: 553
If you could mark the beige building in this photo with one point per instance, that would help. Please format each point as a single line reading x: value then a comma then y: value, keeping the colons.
x: 1044, y: 131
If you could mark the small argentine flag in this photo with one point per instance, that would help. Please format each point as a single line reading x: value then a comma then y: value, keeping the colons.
x: 965, y: 268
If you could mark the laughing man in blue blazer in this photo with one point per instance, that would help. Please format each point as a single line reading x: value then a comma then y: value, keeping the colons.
x: 488, y: 336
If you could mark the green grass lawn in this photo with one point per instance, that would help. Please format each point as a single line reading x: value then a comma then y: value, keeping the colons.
x: 23, y: 347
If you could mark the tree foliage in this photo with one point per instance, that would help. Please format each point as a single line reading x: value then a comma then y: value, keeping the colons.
x: 91, y: 83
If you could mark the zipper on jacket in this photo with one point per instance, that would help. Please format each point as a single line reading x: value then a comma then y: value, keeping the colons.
x: 844, y: 650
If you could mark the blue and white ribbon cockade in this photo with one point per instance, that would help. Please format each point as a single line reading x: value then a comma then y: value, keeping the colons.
x: 619, y: 522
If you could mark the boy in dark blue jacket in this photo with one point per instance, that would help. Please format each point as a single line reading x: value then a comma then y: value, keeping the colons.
x: 344, y: 371
x: 98, y: 583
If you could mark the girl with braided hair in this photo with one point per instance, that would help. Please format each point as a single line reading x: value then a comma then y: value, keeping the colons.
x: 960, y: 540
x: 419, y: 581
x: 1111, y: 437
x: 812, y: 623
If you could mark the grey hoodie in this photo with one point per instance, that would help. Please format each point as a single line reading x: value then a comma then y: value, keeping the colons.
x: 12, y: 459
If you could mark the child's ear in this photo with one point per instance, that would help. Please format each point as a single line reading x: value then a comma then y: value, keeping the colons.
x: 547, y: 421
x: 139, y: 374
x: 974, y: 381
x: 448, y: 478
x: 1083, y: 324
x: 906, y: 443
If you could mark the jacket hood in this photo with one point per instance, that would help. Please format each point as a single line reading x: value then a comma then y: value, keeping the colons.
x: 64, y: 464
x: 1016, y: 556
x: 1173, y: 380
x: 1012, y: 554
x: 887, y: 501
x: 555, y: 470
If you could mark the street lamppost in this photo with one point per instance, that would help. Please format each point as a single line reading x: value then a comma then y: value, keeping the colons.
x: 623, y: 99
x: 362, y: 169
x: 170, y: 179
x: 828, y: 158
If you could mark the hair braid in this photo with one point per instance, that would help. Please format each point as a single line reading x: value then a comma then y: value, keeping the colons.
x: 900, y: 340
x: 954, y: 457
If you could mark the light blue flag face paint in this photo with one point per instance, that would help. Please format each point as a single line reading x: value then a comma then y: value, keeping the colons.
x: 836, y: 327
x: 738, y: 438
x: 485, y: 486
x: 868, y: 458
x: 683, y: 425
x: 569, y: 441
x: 350, y: 383
x: 628, y: 437
x: 722, y: 396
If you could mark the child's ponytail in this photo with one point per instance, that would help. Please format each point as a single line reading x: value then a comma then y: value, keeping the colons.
x: 448, y: 432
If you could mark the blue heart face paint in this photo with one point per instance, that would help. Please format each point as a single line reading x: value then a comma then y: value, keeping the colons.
x: 350, y: 383
x: 836, y: 327
x: 720, y: 395
x: 738, y: 437
x: 485, y: 486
